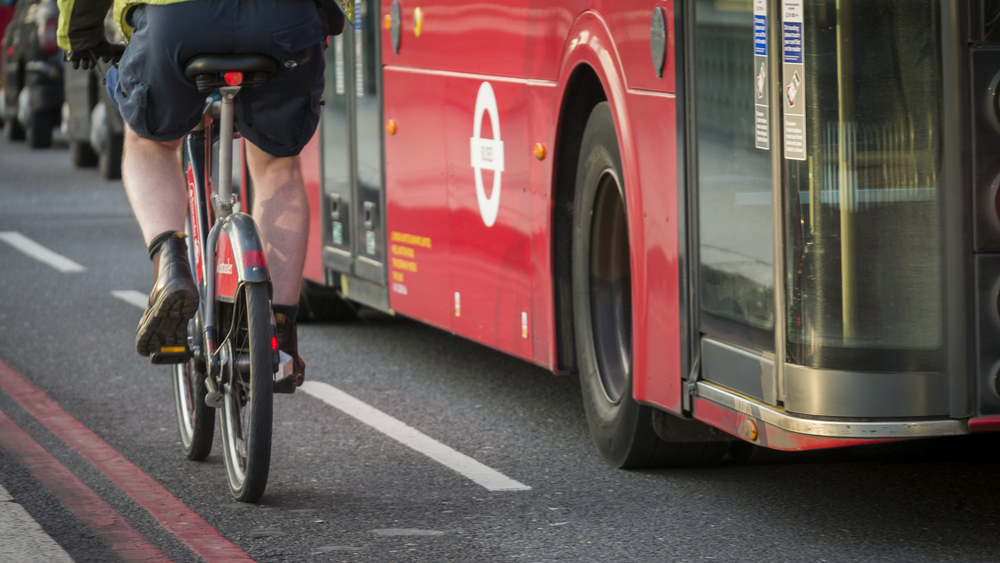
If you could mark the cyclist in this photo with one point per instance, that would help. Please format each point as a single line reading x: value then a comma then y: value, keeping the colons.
x: 160, y: 105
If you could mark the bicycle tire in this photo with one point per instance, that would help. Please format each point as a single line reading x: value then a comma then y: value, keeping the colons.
x: 246, y: 424
x: 195, y: 419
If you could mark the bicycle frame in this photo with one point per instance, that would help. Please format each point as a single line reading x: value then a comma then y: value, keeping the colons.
x: 231, y: 235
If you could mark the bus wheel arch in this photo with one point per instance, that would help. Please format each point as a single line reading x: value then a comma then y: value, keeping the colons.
x: 584, y: 90
x: 623, y: 430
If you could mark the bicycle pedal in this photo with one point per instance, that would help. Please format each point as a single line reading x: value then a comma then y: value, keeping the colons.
x: 171, y: 355
x: 285, y: 366
x: 214, y: 400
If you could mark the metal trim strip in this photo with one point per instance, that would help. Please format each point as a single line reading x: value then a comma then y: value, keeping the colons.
x: 828, y: 428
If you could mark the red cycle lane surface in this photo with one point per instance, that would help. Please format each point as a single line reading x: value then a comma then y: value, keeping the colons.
x: 171, y: 513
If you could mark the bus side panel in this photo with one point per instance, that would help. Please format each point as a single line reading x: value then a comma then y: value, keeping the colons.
x: 417, y: 218
x: 517, y: 38
x: 311, y: 175
x: 489, y: 173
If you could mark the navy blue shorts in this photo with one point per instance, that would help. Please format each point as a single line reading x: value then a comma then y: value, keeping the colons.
x: 160, y: 103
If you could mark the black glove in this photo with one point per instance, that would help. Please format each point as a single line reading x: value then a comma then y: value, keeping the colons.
x: 87, y: 58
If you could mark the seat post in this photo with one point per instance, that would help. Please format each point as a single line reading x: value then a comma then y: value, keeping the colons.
x: 224, y: 200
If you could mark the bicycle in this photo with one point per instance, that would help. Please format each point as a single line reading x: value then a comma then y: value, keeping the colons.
x: 233, y: 375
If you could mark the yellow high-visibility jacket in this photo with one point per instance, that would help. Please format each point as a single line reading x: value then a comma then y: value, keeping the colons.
x: 84, y: 20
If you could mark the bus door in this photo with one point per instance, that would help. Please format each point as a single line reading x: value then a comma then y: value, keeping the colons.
x: 353, y: 194
x: 815, y: 153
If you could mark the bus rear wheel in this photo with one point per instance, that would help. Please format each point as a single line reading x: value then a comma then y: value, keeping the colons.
x: 622, y: 429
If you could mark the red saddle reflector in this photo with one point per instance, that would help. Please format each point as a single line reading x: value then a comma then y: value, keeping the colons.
x: 234, y: 78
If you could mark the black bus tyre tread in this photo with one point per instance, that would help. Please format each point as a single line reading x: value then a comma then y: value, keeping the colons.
x: 82, y: 155
x: 322, y: 304
x: 38, y: 133
x: 258, y: 439
x: 622, y: 429
x: 13, y: 130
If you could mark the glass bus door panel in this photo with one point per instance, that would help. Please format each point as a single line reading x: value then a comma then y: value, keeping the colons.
x: 734, y: 187
x: 864, y: 209
x: 338, y: 158
x: 353, y: 207
x: 489, y: 202
x: 417, y: 198
x: 516, y: 38
x: 864, y: 237
x: 369, y: 211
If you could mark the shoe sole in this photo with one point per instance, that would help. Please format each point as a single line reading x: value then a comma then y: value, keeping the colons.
x: 164, y: 323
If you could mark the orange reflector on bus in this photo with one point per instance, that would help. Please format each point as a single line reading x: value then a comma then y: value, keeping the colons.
x: 540, y: 151
x: 391, y: 126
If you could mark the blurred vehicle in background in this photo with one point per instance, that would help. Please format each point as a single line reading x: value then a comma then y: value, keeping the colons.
x: 31, y: 94
x: 6, y: 15
x: 90, y: 121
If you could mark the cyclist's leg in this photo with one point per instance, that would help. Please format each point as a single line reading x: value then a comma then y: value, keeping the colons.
x: 154, y: 182
x: 281, y: 211
x: 155, y: 186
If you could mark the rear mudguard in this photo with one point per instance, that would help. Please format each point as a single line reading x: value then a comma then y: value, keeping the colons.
x: 239, y: 256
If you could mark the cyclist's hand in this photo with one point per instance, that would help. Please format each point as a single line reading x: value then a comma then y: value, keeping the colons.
x: 87, y: 58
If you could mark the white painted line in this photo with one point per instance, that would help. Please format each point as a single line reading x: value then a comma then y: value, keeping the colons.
x: 39, y: 252
x: 132, y: 297
x: 413, y: 438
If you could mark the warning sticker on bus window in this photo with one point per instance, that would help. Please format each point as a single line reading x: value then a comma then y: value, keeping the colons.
x: 762, y: 104
x: 793, y: 79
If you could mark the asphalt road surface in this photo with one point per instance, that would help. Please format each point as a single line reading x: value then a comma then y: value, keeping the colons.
x: 340, y: 490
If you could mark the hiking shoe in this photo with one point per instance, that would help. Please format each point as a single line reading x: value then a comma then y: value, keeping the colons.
x: 162, y: 332
x: 288, y: 342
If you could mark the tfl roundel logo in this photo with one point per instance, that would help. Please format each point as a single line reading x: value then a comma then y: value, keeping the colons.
x: 487, y: 154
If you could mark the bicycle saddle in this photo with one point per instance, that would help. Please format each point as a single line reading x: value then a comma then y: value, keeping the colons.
x: 207, y: 70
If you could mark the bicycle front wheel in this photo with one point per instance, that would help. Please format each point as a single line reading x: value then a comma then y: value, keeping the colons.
x: 245, y: 415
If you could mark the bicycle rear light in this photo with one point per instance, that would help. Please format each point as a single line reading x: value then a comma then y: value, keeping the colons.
x: 234, y: 78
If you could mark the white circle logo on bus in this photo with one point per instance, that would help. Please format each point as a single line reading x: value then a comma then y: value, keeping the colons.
x: 487, y: 154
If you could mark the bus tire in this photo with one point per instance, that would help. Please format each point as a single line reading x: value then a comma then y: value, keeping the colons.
x: 318, y: 304
x: 622, y: 429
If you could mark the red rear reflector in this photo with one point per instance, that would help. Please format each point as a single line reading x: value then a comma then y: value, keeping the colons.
x: 234, y: 78
x: 274, y: 342
x: 10, y: 50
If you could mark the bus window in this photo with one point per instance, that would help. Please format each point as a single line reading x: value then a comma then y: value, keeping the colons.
x: 734, y: 181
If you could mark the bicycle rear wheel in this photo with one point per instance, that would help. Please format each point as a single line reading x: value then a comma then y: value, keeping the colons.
x: 245, y: 415
x: 195, y: 420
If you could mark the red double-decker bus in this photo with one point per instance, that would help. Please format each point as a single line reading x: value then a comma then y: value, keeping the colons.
x: 767, y: 221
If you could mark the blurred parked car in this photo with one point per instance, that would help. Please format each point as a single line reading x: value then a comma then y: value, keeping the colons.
x: 6, y: 16
x: 31, y: 94
x: 91, y: 123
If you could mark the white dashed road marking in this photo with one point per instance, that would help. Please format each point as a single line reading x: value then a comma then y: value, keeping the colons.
x: 132, y: 297
x: 489, y: 478
x: 39, y: 252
